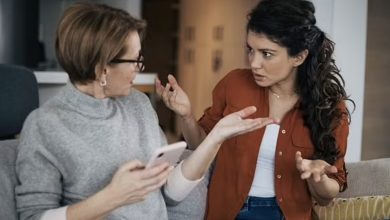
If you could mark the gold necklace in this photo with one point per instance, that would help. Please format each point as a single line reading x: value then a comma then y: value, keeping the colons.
x: 279, y: 96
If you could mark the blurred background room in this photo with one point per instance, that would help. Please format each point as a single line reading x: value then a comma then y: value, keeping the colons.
x: 200, y: 41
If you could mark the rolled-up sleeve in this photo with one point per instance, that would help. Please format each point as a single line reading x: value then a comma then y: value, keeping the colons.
x: 341, y: 136
x: 178, y: 187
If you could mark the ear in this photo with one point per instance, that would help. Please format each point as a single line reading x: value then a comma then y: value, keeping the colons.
x: 300, y: 57
x: 100, y: 72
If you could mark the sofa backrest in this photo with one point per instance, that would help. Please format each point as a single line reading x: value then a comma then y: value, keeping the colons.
x: 8, y: 151
x: 368, y: 178
x: 18, y: 97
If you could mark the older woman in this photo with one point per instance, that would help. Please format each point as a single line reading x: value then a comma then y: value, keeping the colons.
x: 81, y: 154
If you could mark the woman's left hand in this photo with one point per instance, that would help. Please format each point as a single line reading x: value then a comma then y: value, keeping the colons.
x: 314, y: 169
x: 235, y: 124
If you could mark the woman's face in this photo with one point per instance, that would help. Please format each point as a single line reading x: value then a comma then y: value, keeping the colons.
x: 120, y: 76
x: 270, y: 63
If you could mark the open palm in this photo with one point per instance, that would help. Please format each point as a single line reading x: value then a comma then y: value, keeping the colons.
x: 236, y: 123
x: 313, y: 168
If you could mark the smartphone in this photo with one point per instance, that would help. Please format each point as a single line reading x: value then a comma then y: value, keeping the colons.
x: 170, y: 153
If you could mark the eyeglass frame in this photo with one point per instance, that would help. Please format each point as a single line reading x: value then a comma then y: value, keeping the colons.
x: 139, y: 62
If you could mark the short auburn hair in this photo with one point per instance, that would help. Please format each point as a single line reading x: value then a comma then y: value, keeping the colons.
x: 90, y: 34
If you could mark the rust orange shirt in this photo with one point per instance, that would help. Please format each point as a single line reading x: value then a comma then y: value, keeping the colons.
x: 236, y: 160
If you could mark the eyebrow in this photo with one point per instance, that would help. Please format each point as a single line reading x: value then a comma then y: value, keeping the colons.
x: 262, y: 49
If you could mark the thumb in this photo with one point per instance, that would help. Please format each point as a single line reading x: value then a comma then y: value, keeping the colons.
x: 172, y: 80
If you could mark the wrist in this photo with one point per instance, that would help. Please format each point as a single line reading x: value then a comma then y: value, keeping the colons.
x: 111, y: 196
x: 214, y: 138
x: 187, y: 117
x: 95, y: 207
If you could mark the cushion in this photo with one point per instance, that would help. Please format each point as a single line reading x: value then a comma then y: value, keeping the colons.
x: 8, y: 151
x: 358, y: 208
x: 368, y: 178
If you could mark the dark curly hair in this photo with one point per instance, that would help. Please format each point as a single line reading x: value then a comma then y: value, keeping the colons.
x: 291, y: 24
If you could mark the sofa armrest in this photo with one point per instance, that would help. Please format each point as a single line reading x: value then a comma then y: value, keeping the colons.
x: 368, y: 178
x: 8, y: 180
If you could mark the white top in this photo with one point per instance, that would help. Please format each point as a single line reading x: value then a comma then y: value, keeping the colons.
x: 263, y: 182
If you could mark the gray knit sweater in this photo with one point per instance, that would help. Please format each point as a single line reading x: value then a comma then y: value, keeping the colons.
x: 72, y: 145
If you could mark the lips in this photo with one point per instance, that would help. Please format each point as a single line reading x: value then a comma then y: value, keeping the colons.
x: 258, y: 77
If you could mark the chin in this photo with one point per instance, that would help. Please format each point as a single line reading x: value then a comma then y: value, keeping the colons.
x: 263, y: 83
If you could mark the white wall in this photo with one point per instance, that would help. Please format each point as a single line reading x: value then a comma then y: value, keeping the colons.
x: 346, y: 23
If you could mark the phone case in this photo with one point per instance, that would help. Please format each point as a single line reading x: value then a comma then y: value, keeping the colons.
x: 170, y: 153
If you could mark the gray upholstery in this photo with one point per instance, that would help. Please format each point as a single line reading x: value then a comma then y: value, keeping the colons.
x: 8, y: 151
x: 368, y: 178
x: 18, y: 97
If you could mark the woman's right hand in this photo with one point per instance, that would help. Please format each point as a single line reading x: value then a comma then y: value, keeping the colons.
x: 177, y: 100
x: 132, y: 182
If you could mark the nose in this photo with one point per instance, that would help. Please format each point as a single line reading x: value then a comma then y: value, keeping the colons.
x: 256, y: 61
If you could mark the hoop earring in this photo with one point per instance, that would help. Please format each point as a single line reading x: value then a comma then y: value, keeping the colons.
x: 103, y: 83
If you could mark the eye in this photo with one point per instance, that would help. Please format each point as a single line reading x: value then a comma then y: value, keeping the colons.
x: 267, y: 54
x: 249, y: 50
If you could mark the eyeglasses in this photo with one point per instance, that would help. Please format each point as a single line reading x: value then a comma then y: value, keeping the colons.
x: 139, y: 62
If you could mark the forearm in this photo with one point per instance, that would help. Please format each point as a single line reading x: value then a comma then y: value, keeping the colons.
x: 323, y: 191
x: 196, y: 165
x: 192, y: 132
x: 95, y: 207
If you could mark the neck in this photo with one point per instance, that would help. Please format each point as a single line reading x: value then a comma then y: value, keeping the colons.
x: 92, y: 89
x: 282, y: 92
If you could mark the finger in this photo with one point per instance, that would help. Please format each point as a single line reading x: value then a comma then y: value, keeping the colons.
x: 172, y: 80
x: 248, y: 125
x: 245, y: 112
x: 158, y: 86
x: 167, y: 89
x: 330, y: 169
x: 154, y: 171
x: 165, y: 93
x: 132, y: 165
x: 299, y: 161
x: 262, y: 122
x: 156, y: 181
x: 317, y: 177
x: 157, y: 186
x: 298, y: 156
x: 306, y: 175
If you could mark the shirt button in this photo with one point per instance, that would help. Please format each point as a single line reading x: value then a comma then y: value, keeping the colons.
x: 280, y: 199
x: 279, y: 176
x: 280, y: 153
x: 283, y: 131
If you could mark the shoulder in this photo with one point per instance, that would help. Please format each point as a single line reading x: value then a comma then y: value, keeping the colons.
x: 136, y: 96
x: 241, y: 75
x: 239, y: 79
x: 138, y: 101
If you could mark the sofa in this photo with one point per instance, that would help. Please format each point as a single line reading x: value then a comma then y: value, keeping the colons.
x: 367, y: 196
